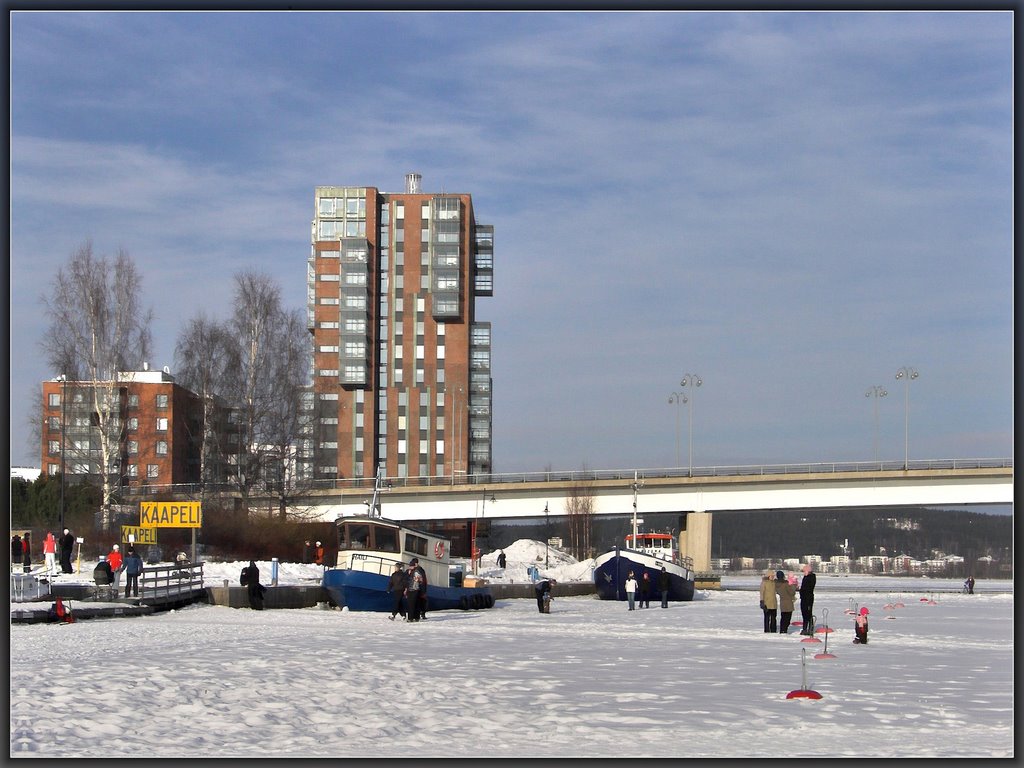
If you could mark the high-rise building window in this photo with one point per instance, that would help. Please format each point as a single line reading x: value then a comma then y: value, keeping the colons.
x: 54, y: 400
x: 133, y: 470
x: 133, y: 446
x: 133, y: 424
x: 53, y: 447
x: 161, y: 424
x: 161, y: 447
x: 152, y: 471
x: 161, y: 401
x: 133, y: 401
x: 53, y: 423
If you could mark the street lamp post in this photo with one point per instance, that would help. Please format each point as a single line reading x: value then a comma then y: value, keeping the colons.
x: 906, y: 373
x: 547, y: 534
x: 691, y: 380
x: 63, y: 441
x: 474, y: 554
x: 678, y: 398
x: 876, y: 391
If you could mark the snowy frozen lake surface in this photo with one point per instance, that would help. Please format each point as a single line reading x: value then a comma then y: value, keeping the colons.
x: 591, y: 679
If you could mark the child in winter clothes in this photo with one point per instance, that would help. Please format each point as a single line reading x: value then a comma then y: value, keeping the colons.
x: 860, y: 628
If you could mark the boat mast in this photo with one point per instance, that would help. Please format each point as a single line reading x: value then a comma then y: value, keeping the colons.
x: 635, y: 486
x: 378, y: 484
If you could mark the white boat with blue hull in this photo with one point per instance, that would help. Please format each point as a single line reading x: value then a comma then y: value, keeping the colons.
x: 369, y: 547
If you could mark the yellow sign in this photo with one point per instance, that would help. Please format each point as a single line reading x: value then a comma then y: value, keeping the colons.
x: 142, y: 535
x: 171, y: 514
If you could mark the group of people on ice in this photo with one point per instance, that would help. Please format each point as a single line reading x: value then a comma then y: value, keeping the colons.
x: 53, y: 546
x: 778, y: 600
x: 408, y: 588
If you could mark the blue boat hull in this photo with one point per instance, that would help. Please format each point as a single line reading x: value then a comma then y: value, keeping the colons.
x: 362, y: 591
x: 612, y: 569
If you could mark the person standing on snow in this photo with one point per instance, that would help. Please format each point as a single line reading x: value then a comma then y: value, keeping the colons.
x: 396, y: 588
x: 307, y: 553
x: 860, y: 627
x: 787, y: 601
x: 253, y: 587
x: 67, y: 546
x: 542, y: 588
x: 116, y: 566
x: 319, y: 554
x: 645, y: 590
x: 421, y: 604
x: 15, y: 551
x: 413, y: 583
x: 26, y: 552
x: 663, y: 582
x: 769, y: 602
x: 501, y: 559
x: 631, y: 586
x: 132, y: 570
x: 50, y: 552
x: 807, y: 599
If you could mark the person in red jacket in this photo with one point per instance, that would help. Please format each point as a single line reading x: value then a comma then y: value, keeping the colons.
x: 860, y: 629
x: 50, y: 552
x: 319, y: 556
x: 115, y: 560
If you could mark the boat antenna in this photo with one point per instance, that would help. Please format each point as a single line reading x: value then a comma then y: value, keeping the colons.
x: 637, y: 485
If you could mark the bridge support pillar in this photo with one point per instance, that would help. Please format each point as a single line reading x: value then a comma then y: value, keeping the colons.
x: 695, y: 540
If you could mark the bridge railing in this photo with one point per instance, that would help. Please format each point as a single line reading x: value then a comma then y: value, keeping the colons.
x: 420, y: 481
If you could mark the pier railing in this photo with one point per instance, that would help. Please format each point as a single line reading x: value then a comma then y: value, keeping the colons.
x: 164, y: 581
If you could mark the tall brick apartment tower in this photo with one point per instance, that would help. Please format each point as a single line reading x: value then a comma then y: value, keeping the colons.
x: 401, y: 367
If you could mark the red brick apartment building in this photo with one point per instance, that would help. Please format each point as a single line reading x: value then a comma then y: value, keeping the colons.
x: 160, y: 429
x: 402, y: 367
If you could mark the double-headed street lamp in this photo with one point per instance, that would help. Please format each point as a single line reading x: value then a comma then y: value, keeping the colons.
x: 906, y: 373
x: 693, y: 381
x: 474, y: 553
x: 876, y: 391
x: 678, y: 398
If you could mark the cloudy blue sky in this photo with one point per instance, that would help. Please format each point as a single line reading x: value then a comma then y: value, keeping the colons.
x: 790, y: 205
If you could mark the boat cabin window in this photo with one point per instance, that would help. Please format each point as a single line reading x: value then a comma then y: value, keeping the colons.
x: 416, y: 544
x: 368, y: 536
x: 385, y: 539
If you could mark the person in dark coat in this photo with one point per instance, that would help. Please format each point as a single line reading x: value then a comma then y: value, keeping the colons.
x: 501, y: 559
x: 413, y: 583
x: 67, y: 546
x: 132, y: 565
x: 645, y: 590
x: 807, y: 599
x: 543, y: 587
x: 15, y: 551
x: 663, y: 582
x: 253, y: 586
x: 396, y: 588
x: 307, y: 553
x: 421, y: 602
x: 860, y: 627
x: 26, y: 552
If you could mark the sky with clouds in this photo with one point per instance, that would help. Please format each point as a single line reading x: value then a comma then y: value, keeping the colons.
x: 791, y: 205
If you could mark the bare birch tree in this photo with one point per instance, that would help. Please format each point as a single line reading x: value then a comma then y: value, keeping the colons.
x: 266, y: 383
x: 579, y: 508
x: 97, y: 329
x: 205, y: 355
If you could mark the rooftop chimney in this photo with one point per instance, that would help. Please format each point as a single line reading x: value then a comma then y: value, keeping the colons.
x: 412, y: 183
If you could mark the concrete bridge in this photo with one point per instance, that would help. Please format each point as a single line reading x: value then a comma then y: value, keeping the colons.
x: 696, y: 493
